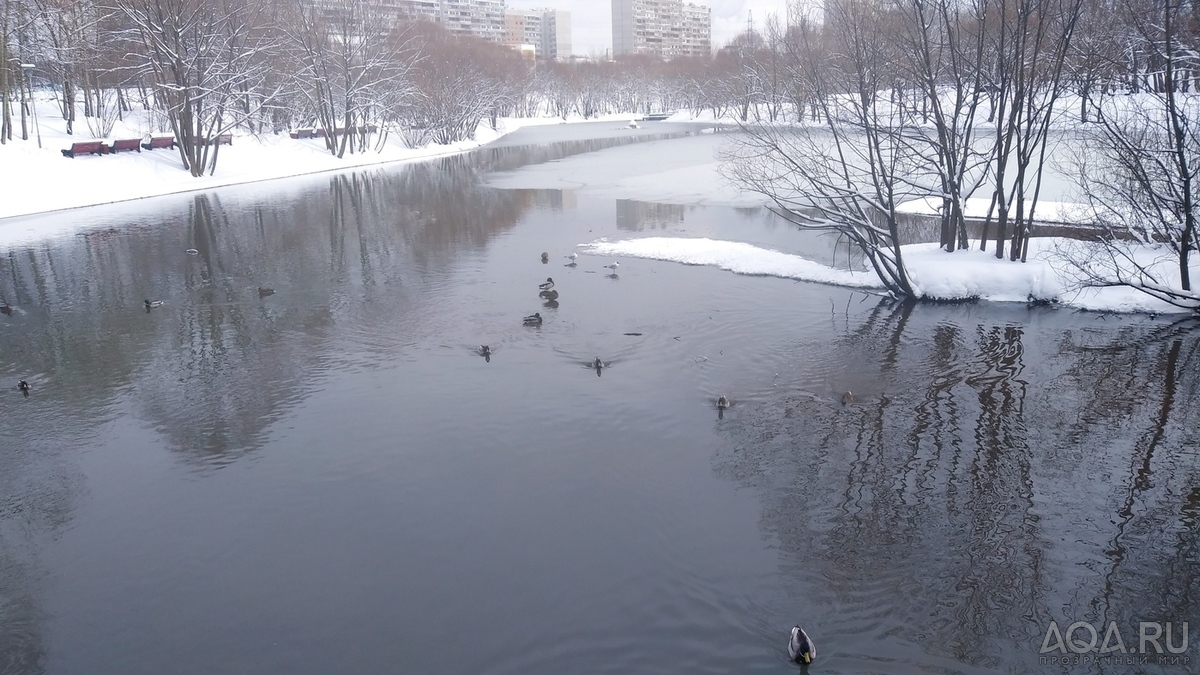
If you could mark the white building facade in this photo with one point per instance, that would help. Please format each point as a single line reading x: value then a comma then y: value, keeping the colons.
x: 663, y: 28
x: 547, y: 29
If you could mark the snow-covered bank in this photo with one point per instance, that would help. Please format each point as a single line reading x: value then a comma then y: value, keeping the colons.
x: 733, y: 256
x: 38, y: 180
x: 972, y: 274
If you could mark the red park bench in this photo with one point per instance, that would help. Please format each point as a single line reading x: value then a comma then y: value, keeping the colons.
x: 302, y: 133
x: 86, y: 147
x: 126, y: 144
x: 160, y: 142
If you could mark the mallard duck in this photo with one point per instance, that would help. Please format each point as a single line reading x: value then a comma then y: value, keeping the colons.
x: 597, y: 364
x: 549, y: 283
x: 549, y: 295
x: 485, y: 350
x: 264, y: 291
x: 151, y: 304
x: 800, y: 647
x: 24, y: 387
x: 722, y: 403
x: 534, y: 319
x: 847, y: 397
x: 545, y: 257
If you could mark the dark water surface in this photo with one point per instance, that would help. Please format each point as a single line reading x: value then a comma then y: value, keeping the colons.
x: 330, y: 479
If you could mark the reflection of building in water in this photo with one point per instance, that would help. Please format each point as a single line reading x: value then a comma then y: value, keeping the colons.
x: 637, y: 216
x: 557, y: 200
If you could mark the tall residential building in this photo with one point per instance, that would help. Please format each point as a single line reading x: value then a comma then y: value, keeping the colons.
x: 480, y: 18
x: 523, y: 27
x: 664, y: 28
x: 547, y: 29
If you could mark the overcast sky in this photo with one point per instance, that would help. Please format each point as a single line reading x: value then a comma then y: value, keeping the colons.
x: 591, y: 20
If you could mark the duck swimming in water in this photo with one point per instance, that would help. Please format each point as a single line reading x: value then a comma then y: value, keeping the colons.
x: 545, y: 257
x: 800, y: 647
x: 547, y: 285
x: 722, y: 403
x: 847, y: 397
x: 534, y: 319
x: 6, y: 308
x: 485, y: 350
x: 24, y: 387
x: 151, y: 304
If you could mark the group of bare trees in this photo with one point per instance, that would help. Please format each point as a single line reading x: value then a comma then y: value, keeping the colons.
x: 958, y: 104
x: 201, y: 68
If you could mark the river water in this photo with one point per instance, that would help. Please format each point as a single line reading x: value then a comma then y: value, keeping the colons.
x: 331, y: 479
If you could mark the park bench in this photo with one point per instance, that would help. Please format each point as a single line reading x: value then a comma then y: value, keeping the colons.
x: 302, y: 133
x: 126, y: 144
x: 160, y: 142
x: 223, y: 139
x: 92, y: 147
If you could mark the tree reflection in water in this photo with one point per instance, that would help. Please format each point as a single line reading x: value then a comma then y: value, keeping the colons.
x: 993, y: 483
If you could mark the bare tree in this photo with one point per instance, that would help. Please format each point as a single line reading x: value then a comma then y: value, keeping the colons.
x: 848, y: 174
x: 353, y: 66
x: 1142, y: 173
x: 202, y: 56
x: 1030, y: 43
x: 944, y: 43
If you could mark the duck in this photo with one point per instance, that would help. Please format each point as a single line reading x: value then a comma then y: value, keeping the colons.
x: 597, y: 364
x: 722, y: 403
x: 547, y: 285
x: 800, y: 647
x: 613, y: 266
x: 263, y: 291
x: 534, y: 319
x: 549, y: 295
x: 847, y: 397
x: 485, y: 350
x: 25, y: 387
x: 7, y: 308
x: 545, y: 257
x: 151, y: 304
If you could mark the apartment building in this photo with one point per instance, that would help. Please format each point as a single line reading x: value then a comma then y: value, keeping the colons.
x: 546, y: 29
x: 480, y: 18
x: 664, y: 28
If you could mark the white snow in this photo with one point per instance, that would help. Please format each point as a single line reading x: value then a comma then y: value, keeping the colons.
x: 38, y: 180
x: 977, y: 208
x: 935, y: 274
x: 733, y: 256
